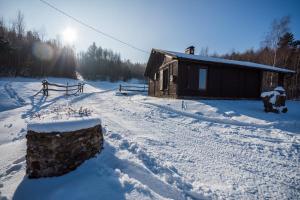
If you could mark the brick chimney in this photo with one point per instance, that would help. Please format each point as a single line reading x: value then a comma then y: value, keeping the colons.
x: 190, y: 50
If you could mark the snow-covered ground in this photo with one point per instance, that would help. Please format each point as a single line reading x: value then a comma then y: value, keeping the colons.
x: 155, y: 149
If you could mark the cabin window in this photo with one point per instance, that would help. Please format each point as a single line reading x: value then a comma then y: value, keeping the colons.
x: 202, y: 78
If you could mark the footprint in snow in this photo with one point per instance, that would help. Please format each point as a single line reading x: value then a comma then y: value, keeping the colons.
x: 18, y: 137
x: 19, y: 160
x: 13, y: 168
x: 8, y: 125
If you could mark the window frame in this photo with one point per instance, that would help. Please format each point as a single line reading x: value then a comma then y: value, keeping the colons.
x: 206, y: 77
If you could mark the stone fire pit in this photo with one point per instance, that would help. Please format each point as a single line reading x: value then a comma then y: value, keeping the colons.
x: 56, y: 148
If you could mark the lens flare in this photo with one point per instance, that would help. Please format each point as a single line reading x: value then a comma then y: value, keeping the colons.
x: 42, y: 51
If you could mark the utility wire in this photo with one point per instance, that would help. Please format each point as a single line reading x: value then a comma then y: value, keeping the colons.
x: 93, y: 28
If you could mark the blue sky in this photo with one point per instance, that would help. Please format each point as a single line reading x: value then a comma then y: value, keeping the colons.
x: 221, y: 25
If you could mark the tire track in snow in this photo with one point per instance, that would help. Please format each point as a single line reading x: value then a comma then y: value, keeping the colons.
x: 203, y: 118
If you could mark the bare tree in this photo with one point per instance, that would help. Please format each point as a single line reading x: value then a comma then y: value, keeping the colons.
x: 278, y: 29
x: 204, y: 51
x: 20, y: 25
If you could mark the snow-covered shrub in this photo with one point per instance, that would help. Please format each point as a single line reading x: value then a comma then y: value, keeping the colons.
x: 64, y: 112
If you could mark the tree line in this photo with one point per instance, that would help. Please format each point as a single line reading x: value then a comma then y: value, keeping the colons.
x: 104, y: 64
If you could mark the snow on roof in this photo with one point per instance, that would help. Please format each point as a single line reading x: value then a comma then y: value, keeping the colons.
x: 226, y: 61
x: 63, y: 126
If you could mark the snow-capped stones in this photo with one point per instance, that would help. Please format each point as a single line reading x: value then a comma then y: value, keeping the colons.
x: 56, y: 148
x: 63, y: 126
x: 271, y: 95
x: 274, y: 101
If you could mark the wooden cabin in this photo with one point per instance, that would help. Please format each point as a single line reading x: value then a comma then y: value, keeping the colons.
x: 185, y: 75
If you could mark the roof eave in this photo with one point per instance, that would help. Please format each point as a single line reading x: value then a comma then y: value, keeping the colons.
x: 270, y: 70
x: 165, y: 52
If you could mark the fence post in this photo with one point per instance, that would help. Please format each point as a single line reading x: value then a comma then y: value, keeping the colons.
x: 43, y: 84
x: 47, y: 88
x: 44, y: 87
x: 120, y: 88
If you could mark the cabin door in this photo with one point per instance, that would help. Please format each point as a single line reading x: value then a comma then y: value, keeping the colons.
x: 165, y: 79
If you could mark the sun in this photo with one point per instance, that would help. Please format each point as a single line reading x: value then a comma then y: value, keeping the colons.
x: 69, y: 35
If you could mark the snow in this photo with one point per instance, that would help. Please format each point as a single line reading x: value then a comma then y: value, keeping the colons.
x: 272, y: 94
x: 63, y: 126
x: 154, y: 148
x: 227, y: 61
x: 280, y: 89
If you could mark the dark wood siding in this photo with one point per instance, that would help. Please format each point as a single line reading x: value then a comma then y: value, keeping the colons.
x: 222, y: 81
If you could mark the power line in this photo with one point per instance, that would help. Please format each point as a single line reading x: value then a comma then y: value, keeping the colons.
x: 93, y: 28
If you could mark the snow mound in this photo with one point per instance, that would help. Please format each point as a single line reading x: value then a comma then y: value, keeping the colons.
x: 63, y: 126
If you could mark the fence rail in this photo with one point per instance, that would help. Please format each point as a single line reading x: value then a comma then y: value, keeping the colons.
x: 133, y: 88
x: 67, y: 88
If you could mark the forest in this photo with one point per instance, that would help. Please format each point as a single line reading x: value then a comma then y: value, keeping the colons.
x: 26, y: 53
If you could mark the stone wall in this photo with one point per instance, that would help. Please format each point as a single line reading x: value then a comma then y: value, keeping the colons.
x: 57, y: 153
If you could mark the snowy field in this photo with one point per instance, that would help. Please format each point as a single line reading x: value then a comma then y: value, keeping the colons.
x: 153, y: 148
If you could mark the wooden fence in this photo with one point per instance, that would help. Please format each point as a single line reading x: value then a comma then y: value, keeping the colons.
x: 133, y: 88
x: 68, y: 89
